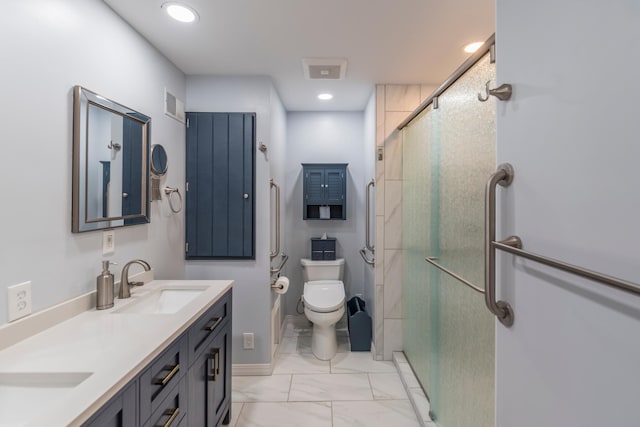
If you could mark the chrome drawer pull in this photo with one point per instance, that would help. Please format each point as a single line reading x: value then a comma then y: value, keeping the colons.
x: 216, y: 322
x: 173, y: 414
x: 173, y: 370
x: 217, y: 362
x: 215, y: 370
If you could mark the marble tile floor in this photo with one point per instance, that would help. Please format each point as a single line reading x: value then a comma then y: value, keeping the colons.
x: 350, y: 390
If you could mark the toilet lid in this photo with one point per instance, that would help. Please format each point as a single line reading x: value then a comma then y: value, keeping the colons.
x: 324, y: 296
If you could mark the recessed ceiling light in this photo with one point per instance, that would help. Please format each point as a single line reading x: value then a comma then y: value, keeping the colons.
x: 472, y: 47
x: 180, y: 12
x: 325, y: 96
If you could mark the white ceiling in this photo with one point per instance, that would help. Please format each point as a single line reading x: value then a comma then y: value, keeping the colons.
x: 384, y: 41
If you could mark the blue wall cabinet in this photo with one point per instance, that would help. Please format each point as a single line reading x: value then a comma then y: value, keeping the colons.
x: 325, y: 190
x: 220, y: 204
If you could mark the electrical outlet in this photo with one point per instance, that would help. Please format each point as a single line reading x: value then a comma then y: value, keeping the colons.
x: 19, y: 300
x: 108, y: 242
x: 247, y: 340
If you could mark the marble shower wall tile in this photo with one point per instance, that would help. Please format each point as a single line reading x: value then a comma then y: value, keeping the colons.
x: 393, y: 156
x: 391, y: 122
x: 380, y: 187
x: 393, y: 284
x: 393, y: 215
x: 392, y: 337
x: 380, y: 116
x: 402, y: 97
x: 379, y: 244
x: 379, y: 322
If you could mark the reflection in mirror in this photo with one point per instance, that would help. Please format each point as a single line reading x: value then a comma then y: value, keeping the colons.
x: 158, y: 160
x: 110, y: 166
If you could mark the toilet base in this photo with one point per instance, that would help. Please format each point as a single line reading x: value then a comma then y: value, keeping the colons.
x: 324, y: 344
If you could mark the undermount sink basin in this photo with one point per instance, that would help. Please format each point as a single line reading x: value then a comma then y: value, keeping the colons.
x: 162, y: 301
x: 23, y: 395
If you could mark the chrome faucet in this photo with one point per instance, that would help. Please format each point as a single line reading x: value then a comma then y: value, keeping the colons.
x: 125, y: 285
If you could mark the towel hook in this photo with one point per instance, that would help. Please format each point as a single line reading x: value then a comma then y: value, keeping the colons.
x: 502, y: 92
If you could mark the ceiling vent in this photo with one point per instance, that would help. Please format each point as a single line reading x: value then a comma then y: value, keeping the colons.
x: 173, y: 107
x: 324, y: 68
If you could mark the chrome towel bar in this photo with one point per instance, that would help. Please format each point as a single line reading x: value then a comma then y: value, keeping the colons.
x: 432, y: 260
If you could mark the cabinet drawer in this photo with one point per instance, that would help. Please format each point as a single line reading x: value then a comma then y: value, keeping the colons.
x: 172, y: 410
x: 157, y: 381
x: 208, y: 325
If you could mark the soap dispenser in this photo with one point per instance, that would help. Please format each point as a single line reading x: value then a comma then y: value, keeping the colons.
x: 104, y: 288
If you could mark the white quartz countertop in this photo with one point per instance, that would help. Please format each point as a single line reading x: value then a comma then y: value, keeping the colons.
x: 112, y: 346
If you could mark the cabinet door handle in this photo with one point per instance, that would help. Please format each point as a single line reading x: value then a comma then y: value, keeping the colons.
x: 172, y: 371
x: 215, y: 370
x: 173, y: 413
x: 216, y: 322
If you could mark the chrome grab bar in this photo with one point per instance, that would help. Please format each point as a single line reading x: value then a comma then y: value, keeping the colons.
x: 363, y: 254
x: 275, y: 253
x: 513, y: 245
x: 432, y: 260
x: 283, y: 261
x: 368, y: 244
x: 501, y: 309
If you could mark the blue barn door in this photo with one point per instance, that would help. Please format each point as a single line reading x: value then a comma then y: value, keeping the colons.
x: 220, y: 185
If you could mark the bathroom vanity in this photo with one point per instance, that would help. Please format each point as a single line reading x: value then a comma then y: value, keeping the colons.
x: 161, y: 357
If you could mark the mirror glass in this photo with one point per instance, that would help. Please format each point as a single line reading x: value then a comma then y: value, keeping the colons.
x: 110, y: 163
x: 158, y: 160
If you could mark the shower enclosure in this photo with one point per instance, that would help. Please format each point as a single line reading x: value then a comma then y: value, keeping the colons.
x: 448, y: 152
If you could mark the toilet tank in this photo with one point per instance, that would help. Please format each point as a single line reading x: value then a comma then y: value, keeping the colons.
x: 322, y: 270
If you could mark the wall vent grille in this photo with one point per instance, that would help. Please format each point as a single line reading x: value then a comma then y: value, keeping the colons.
x: 173, y: 107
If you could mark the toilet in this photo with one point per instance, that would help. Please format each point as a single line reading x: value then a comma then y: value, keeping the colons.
x: 324, y: 299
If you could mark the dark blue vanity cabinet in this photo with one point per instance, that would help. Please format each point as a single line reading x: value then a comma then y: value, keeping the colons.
x: 325, y: 191
x: 121, y: 411
x: 220, y: 204
x: 188, y: 384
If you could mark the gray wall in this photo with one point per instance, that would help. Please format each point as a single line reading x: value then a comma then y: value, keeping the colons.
x: 251, y: 292
x: 325, y: 137
x: 50, y: 46
x: 571, y: 357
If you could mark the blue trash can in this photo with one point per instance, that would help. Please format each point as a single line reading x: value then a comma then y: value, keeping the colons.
x: 359, y: 324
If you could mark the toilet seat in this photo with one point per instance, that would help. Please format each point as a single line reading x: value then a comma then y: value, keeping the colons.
x: 324, y: 296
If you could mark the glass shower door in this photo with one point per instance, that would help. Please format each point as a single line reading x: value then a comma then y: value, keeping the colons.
x: 449, y: 335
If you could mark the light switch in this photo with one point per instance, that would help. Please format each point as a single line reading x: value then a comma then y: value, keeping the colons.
x: 108, y: 242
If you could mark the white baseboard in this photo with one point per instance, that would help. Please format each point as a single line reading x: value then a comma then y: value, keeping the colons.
x: 247, y: 369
